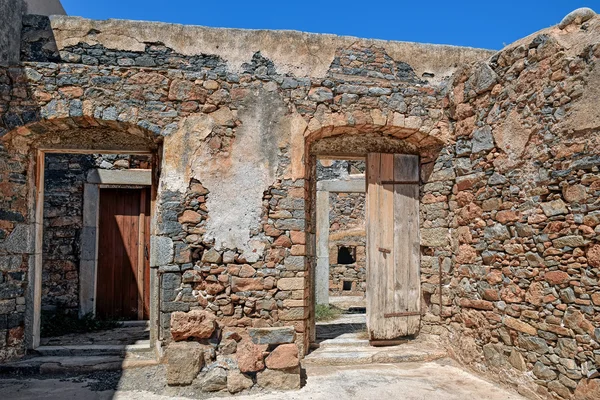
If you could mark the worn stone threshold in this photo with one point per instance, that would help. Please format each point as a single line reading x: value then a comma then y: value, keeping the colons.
x: 348, y: 349
x: 93, y: 349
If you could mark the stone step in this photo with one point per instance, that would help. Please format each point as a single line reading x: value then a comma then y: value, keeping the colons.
x: 141, y: 346
x: 343, y: 342
x: 348, y: 353
x: 81, y: 364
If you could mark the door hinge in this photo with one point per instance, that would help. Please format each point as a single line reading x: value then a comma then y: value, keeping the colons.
x: 401, y: 314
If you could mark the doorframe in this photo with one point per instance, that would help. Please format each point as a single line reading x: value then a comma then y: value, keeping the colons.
x: 35, y: 270
x: 88, y: 261
x: 356, y: 184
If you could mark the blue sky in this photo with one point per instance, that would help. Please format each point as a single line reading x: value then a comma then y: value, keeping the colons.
x: 486, y: 24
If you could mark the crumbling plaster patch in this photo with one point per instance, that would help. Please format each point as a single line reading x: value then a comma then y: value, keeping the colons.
x: 236, y: 181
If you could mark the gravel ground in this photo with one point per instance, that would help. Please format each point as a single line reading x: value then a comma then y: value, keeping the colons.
x: 441, y: 380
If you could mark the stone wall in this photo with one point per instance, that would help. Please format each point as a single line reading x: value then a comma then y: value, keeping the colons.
x: 229, y: 242
x: 509, y: 172
x: 347, y: 229
x: 524, y: 213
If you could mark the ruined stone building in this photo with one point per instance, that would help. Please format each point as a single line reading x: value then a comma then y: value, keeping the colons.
x: 189, y: 157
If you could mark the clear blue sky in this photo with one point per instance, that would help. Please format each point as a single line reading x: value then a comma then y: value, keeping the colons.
x: 483, y: 23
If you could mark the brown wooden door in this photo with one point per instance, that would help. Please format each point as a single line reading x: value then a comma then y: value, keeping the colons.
x: 393, y: 246
x: 123, y: 276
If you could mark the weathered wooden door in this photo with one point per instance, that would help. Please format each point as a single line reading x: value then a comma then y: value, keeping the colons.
x: 393, y: 246
x: 123, y: 279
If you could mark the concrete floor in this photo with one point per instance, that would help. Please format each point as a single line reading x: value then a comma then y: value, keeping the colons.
x: 441, y: 380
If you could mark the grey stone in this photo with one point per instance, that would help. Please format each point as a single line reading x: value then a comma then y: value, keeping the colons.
x: 579, y: 16
x: 10, y: 31
x: 161, y: 251
x: 569, y: 241
x: 214, y: 380
x: 493, y: 356
x: 294, y: 263
x: 290, y: 224
x: 10, y: 263
x: 532, y: 343
x: 587, y: 162
x: 496, y: 232
x: 212, y: 256
x: 20, y: 240
x: 277, y: 335
x: 543, y: 372
x: 463, y: 166
x: 463, y: 147
x: 236, y: 382
x: 279, y: 379
x: 184, y: 361
x: 482, y: 140
x: 567, y: 295
x: 497, y: 179
x: 566, y: 348
x: 321, y: 95
x: 379, y: 91
x: 553, y: 208
x: 483, y: 79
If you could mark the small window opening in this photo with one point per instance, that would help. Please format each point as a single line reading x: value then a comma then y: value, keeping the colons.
x: 346, y: 255
x: 347, y: 285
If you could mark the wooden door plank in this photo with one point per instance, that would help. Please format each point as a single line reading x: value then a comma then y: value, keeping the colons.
x: 406, y: 168
x: 145, y: 254
x: 391, y: 327
x: 372, y: 223
x: 393, y: 294
x: 132, y: 217
x: 140, y: 256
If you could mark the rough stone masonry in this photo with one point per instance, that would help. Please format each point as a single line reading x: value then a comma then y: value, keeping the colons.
x: 508, y: 143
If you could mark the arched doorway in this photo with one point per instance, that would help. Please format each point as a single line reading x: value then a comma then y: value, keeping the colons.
x: 28, y: 148
x: 344, y: 143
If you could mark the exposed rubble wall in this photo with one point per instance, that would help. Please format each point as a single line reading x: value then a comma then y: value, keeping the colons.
x: 522, y: 288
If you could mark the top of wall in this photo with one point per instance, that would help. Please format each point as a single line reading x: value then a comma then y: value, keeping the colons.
x: 44, y: 7
x: 296, y: 53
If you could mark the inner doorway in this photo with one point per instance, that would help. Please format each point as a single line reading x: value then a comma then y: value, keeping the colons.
x: 341, y: 282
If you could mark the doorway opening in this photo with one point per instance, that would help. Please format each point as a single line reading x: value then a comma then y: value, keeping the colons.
x: 95, y: 286
x: 341, y: 259
x: 390, y: 185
